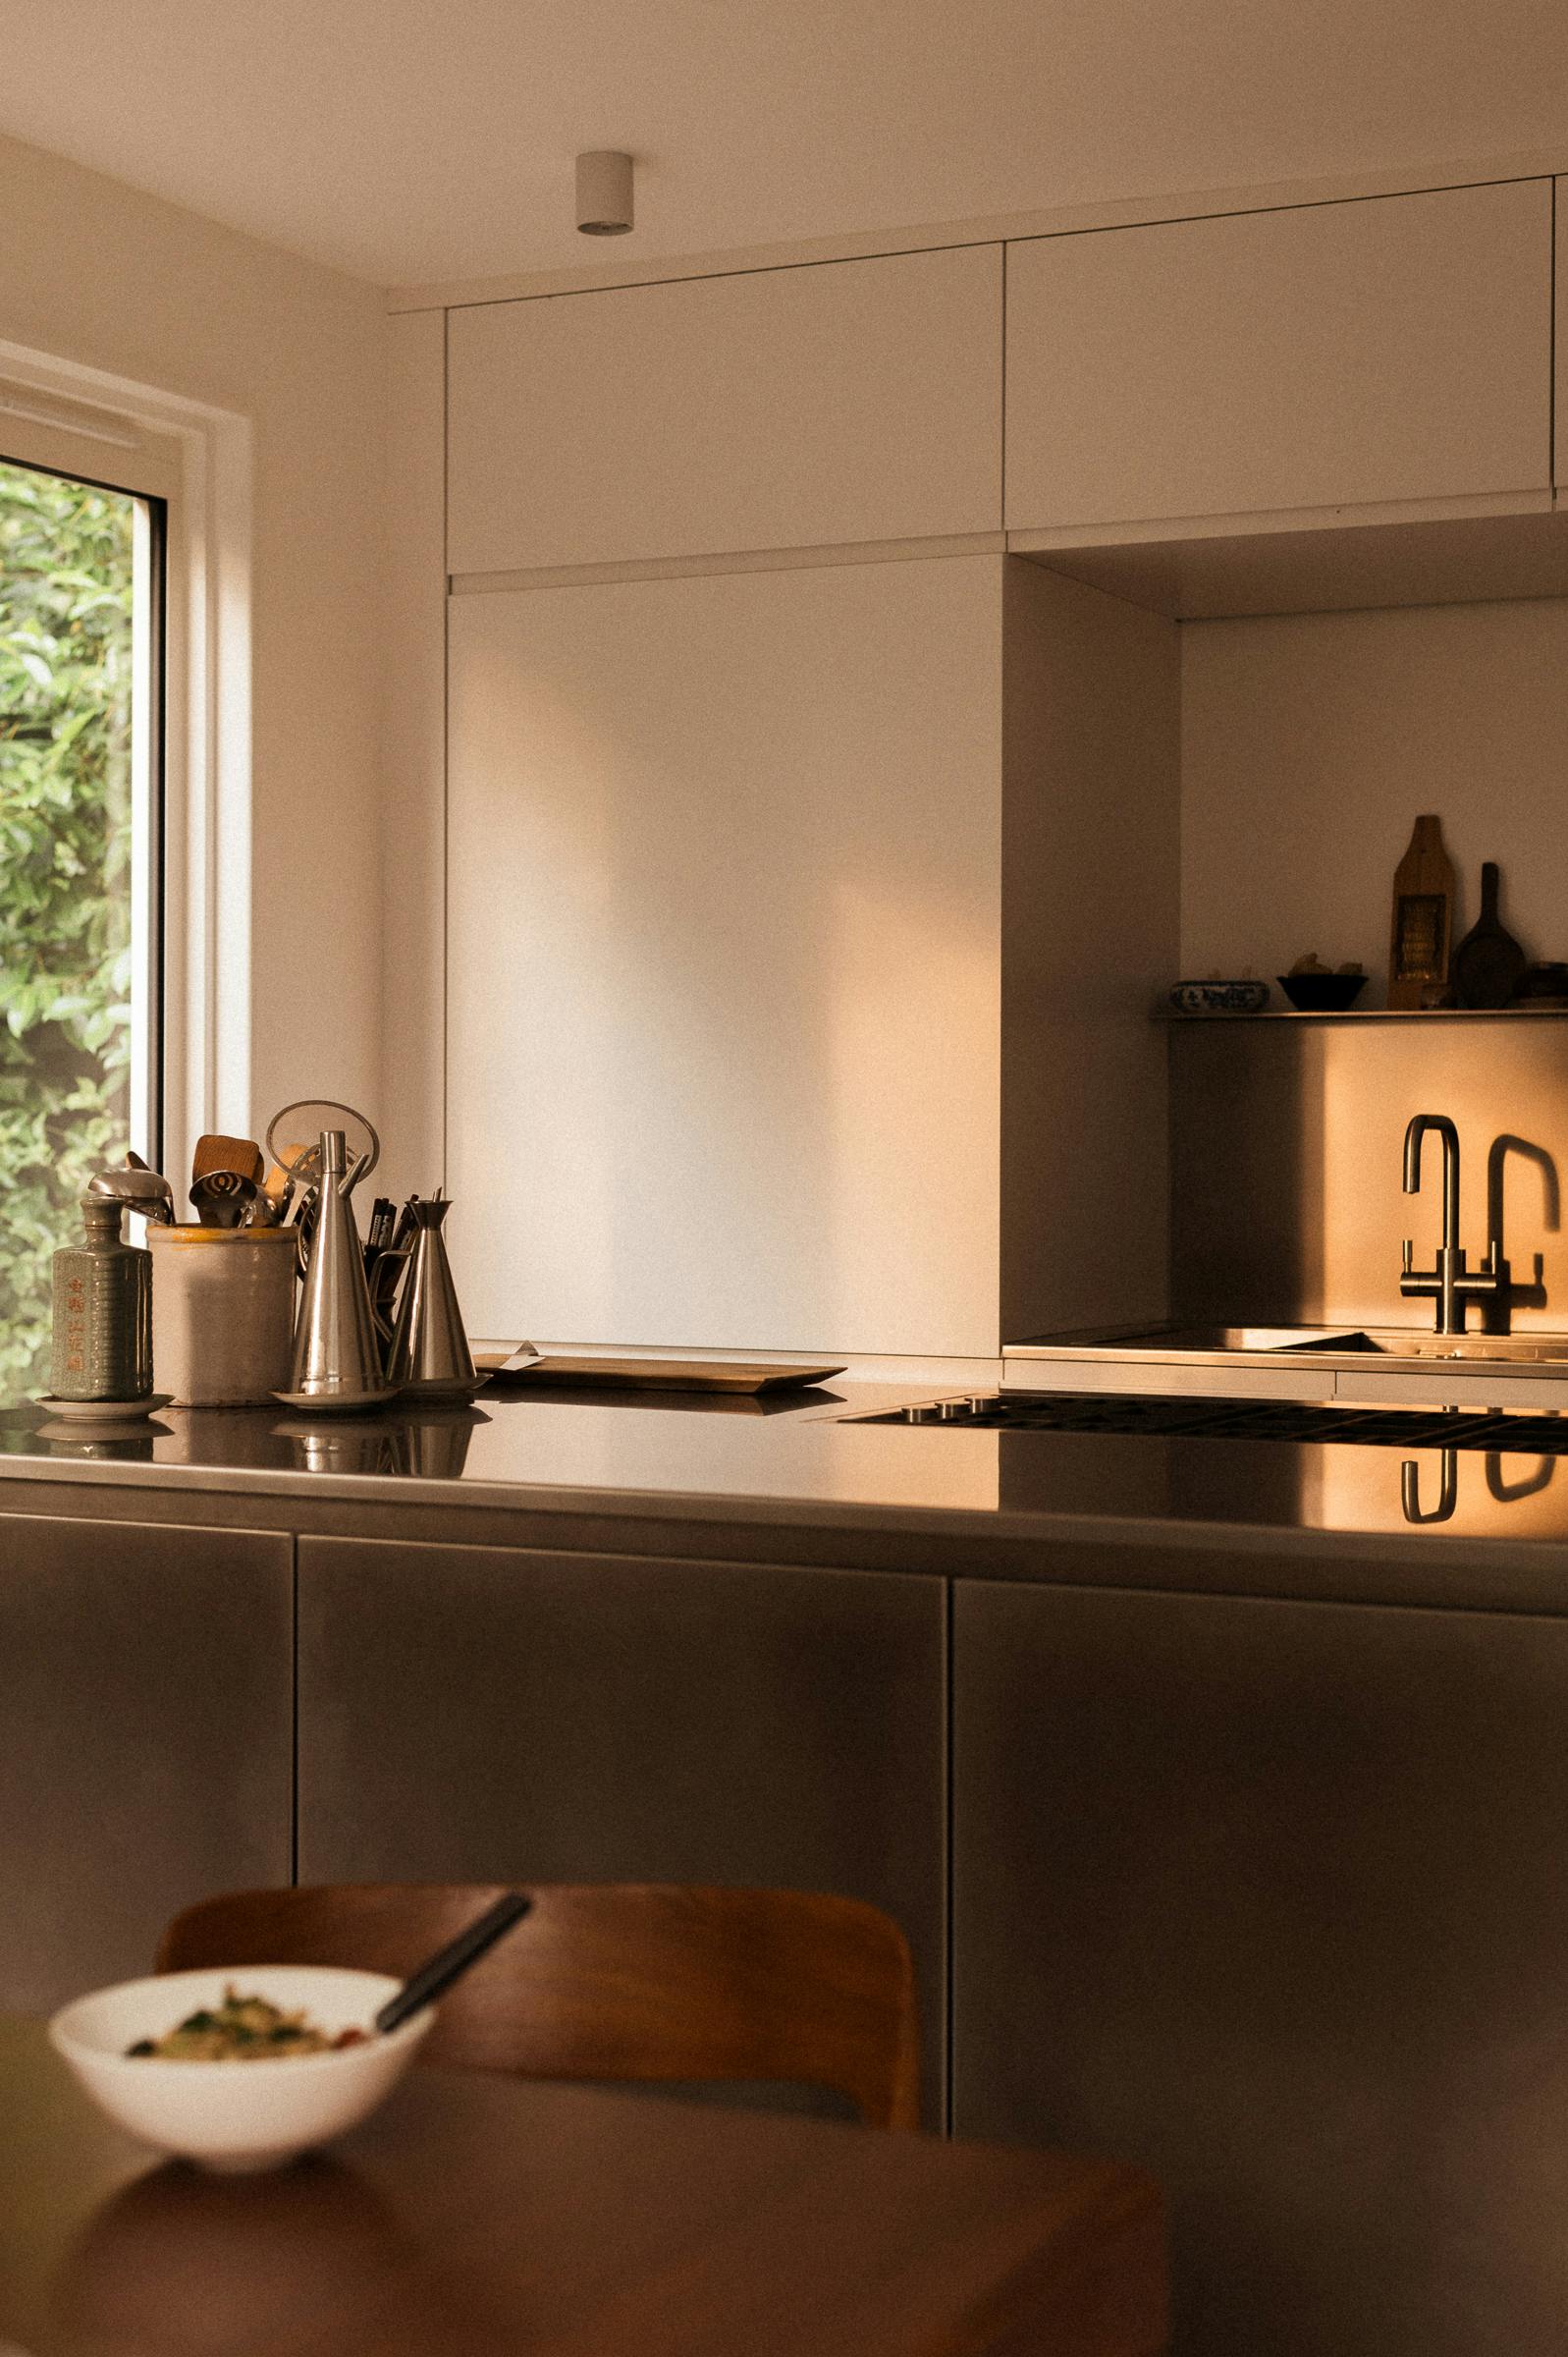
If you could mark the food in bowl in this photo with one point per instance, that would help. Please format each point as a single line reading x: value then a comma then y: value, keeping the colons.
x: 242, y: 2029
x: 204, y: 2109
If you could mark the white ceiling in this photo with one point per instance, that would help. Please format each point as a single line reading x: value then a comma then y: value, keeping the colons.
x: 408, y: 140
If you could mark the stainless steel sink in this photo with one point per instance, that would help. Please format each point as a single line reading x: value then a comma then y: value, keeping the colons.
x: 1236, y: 1338
x: 1538, y: 1350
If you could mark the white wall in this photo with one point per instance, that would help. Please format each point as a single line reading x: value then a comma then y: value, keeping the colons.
x: 1310, y: 742
x: 94, y: 273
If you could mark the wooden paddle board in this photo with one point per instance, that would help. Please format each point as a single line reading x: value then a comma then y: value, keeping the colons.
x: 651, y: 1374
x: 1489, y: 965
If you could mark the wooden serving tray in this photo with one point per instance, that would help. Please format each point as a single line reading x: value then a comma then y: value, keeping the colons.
x: 651, y: 1374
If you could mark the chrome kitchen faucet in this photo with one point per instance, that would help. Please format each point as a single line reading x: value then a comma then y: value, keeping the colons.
x: 1448, y: 1282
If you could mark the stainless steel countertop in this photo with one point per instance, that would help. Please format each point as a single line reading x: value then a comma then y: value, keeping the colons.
x: 792, y: 1461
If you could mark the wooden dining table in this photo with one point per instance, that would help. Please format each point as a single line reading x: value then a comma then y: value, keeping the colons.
x: 475, y: 2215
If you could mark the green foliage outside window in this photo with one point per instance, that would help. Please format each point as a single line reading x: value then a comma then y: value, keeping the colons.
x: 66, y: 588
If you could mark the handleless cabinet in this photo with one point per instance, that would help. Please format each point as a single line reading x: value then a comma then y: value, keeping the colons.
x: 724, y: 906
x: 842, y: 401
x: 146, y: 1695
x: 1392, y: 349
x: 482, y: 1714
x: 1273, y: 1898
x: 1560, y: 373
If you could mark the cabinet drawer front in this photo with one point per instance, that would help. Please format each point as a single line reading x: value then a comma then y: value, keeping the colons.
x: 782, y: 408
x: 1397, y: 349
x: 472, y: 1714
x: 1269, y: 1897
x: 146, y: 1679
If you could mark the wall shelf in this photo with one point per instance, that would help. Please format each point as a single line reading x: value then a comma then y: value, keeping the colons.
x: 1371, y: 1015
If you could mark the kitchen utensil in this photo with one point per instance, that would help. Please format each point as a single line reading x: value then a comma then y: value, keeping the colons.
x: 303, y: 1223
x: 1422, y: 929
x: 379, y: 1229
x: 378, y: 1235
x: 336, y: 1357
x: 451, y: 1962
x: 215, y: 1152
x: 310, y: 1119
x: 272, y: 1202
x: 430, y: 1356
x: 138, y: 1188
x: 221, y: 1197
x: 236, y: 2117
x: 654, y: 1374
x: 1489, y: 965
x: 383, y: 1283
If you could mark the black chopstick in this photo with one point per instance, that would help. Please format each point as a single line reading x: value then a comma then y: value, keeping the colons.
x: 455, y: 1957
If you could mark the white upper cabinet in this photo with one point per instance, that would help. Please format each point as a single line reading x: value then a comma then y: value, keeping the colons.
x: 781, y: 409
x: 1397, y: 349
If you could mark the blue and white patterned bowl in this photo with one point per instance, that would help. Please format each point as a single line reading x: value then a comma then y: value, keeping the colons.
x: 1219, y: 998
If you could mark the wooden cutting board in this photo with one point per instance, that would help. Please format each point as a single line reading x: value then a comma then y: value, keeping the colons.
x: 651, y: 1374
x: 1423, y: 902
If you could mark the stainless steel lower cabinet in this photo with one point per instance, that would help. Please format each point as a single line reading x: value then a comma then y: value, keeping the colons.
x: 146, y: 1738
x: 471, y: 1713
x: 1274, y: 1897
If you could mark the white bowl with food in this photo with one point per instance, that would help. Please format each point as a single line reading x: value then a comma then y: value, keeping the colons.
x: 239, y: 2070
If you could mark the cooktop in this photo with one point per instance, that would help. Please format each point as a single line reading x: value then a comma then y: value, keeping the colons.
x: 1536, y: 1434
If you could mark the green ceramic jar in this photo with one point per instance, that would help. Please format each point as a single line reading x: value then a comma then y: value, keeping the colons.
x: 102, y: 1340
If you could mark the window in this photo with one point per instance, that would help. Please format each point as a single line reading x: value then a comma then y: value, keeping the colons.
x: 81, y: 638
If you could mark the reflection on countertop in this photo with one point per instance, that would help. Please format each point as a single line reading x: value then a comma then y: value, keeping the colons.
x: 796, y: 1458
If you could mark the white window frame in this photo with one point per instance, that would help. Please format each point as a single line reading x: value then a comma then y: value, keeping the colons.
x: 197, y: 460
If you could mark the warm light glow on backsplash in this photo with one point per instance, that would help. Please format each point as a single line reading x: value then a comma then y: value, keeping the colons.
x: 1287, y: 1143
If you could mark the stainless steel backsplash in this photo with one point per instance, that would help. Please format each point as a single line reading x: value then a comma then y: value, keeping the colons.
x: 1286, y: 1137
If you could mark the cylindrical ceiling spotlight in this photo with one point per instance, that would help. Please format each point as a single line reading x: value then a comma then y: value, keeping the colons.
x: 604, y: 193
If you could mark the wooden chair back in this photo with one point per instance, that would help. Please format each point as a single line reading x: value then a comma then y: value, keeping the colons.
x: 616, y: 1980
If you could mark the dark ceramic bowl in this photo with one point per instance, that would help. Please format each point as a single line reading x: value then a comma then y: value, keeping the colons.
x: 1322, y: 994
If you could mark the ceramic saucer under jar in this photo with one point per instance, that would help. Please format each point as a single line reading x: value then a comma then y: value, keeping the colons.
x: 100, y: 1411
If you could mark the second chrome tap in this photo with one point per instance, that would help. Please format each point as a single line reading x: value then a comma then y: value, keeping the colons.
x: 1448, y: 1281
